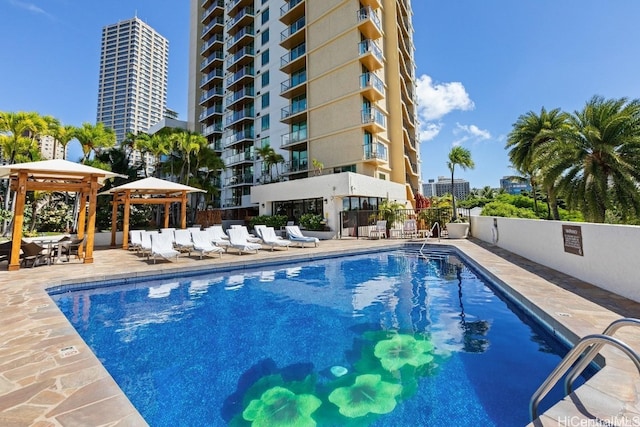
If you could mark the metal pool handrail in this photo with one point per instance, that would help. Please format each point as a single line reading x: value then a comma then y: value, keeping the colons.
x: 433, y: 227
x: 595, y: 340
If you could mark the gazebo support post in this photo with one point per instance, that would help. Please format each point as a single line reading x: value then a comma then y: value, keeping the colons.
x: 114, y: 222
x: 167, y: 206
x: 18, y: 220
x: 82, y: 219
x: 183, y: 212
x: 91, y: 226
x: 125, y: 219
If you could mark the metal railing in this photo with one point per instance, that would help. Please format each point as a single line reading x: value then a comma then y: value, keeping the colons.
x: 592, y: 343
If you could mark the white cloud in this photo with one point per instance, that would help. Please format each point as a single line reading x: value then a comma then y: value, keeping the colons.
x: 436, y: 101
x: 29, y: 6
x: 469, y: 133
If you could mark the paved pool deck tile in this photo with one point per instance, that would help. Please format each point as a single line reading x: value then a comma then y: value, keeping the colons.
x: 49, y: 376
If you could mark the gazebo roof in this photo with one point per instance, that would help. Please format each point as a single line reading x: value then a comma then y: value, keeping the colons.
x: 57, y: 169
x: 153, y: 186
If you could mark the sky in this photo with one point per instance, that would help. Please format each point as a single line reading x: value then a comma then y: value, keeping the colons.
x: 480, y: 65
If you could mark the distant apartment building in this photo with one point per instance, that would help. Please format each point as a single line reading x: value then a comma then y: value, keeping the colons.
x: 51, y: 149
x: 132, y: 91
x: 514, y: 186
x: 441, y: 187
x: 329, y: 85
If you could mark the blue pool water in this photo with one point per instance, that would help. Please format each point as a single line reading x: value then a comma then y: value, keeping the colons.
x: 425, y: 342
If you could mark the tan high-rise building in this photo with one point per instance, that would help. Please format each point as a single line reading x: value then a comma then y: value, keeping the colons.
x: 329, y: 85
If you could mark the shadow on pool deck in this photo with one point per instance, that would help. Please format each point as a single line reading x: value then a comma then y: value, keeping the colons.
x: 49, y: 376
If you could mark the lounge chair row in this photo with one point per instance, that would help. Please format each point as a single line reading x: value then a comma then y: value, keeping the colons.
x: 170, y: 243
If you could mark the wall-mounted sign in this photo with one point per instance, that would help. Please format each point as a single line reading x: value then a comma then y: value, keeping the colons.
x: 572, y: 236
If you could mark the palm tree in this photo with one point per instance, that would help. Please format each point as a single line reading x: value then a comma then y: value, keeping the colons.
x: 597, y: 163
x: 462, y: 157
x: 94, y: 139
x: 530, y: 134
x: 159, y: 144
x: 187, y: 142
x: 62, y: 134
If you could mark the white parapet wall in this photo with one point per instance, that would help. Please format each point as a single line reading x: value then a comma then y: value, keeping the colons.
x: 608, y: 258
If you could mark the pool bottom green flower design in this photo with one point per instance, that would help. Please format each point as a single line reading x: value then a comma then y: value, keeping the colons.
x: 369, y: 394
x: 279, y: 406
x: 401, y: 350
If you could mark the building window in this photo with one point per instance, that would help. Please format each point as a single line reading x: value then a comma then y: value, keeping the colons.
x: 265, y: 122
x: 265, y: 36
x: 265, y: 100
x: 265, y: 78
x: 265, y: 16
x: 265, y: 57
x: 382, y: 176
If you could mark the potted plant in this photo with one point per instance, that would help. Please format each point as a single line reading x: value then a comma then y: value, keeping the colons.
x: 457, y: 228
x: 393, y: 213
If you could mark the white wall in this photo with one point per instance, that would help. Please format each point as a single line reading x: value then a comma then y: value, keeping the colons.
x: 610, y: 251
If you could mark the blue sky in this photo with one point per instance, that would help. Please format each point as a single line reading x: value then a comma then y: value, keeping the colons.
x: 480, y: 64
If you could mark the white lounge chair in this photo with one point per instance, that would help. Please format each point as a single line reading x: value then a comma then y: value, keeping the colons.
x: 238, y: 241
x: 269, y: 238
x: 258, y: 229
x: 218, y: 231
x: 380, y: 231
x: 296, y: 236
x: 203, y: 245
x: 145, y: 244
x: 410, y: 228
x: 215, y: 238
x: 162, y: 246
x: 135, y: 240
x: 245, y: 233
x: 182, y: 240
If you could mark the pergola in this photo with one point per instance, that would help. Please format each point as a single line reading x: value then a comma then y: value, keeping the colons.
x: 55, y: 175
x: 150, y: 191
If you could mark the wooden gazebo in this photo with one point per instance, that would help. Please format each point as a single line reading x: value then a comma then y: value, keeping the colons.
x: 153, y: 191
x: 55, y: 175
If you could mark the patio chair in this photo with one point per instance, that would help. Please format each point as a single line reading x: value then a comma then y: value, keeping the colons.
x: 379, y: 231
x: 258, y: 229
x: 245, y: 233
x: 34, y: 254
x: 162, y: 247
x: 182, y: 240
x: 238, y: 240
x: 145, y: 244
x: 218, y: 231
x: 270, y: 239
x: 410, y: 228
x: 71, y: 247
x: 295, y: 235
x: 135, y: 240
x: 203, y: 245
x: 215, y: 238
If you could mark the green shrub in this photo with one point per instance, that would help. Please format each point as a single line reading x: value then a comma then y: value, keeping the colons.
x: 312, y: 221
x: 275, y: 221
x: 507, y: 210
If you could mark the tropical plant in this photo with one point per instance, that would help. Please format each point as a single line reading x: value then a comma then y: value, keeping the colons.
x: 275, y: 221
x: 186, y: 143
x: 531, y: 134
x: 597, y: 161
x: 458, y: 156
x: 312, y: 221
x: 94, y: 139
x: 270, y: 158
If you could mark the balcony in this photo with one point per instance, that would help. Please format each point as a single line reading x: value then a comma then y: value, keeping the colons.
x: 211, y: 129
x: 215, y: 26
x: 244, y: 35
x: 292, y: 11
x: 242, y: 76
x: 369, y: 23
x: 293, y: 59
x: 208, y: 112
x: 296, y: 166
x: 294, y: 86
x: 216, y: 9
x: 376, y: 152
x: 295, y: 112
x: 293, y: 139
x: 237, y: 159
x: 211, y: 78
x: 239, y: 136
x: 370, y: 55
x: 238, y: 116
x: 213, y: 60
x: 211, y: 93
x: 239, y: 179
x: 213, y: 43
x: 374, y: 4
x: 374, y: 120
x: 237, y: 4
x: 372, y: 87
x: 293, y: 35
x: 242, y: 57
x: 245, y: 16
x: 246, y: 92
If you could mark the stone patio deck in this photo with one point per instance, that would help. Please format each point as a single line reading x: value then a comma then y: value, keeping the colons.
x: 50, y: 377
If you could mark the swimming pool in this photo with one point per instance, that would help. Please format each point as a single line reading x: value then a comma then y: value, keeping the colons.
x: 422, y: 342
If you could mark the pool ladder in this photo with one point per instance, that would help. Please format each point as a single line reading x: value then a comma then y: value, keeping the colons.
x: 433, y: 227
x: 594, y: 344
